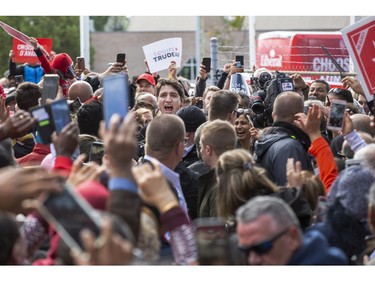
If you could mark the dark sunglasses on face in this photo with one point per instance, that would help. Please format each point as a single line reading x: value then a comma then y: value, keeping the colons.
x: 262, y: 247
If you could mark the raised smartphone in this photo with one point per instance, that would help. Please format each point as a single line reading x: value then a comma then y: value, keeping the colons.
x: 336, y: 115
x: 115, y: 96
x: 96, y: 152
x: 212, y: 241
x: 69, y: 214
x: 50, y: 87
x: 60, y: 114
x: 120, y: 58
x: 207, y: 64
x: 239, y: 61
x: 44, y: 125
x: 81, y: 63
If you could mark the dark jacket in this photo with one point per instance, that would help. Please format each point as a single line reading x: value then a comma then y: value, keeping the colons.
x: 199, y: 167
x: 207, y: 194
x: 276, y: 145
x: 189, y: 186
x: 191, y: 157
x: 345, y: 232
x: 315, y: 250
x: 298, y: 202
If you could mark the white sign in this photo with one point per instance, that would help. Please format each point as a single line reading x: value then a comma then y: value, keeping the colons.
x: 160, y: 54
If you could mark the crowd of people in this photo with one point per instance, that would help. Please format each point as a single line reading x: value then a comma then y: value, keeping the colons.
x: 220, y: 177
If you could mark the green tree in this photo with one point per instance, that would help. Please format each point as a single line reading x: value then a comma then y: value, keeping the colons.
x: 99, y: 22
x: 64, y: 31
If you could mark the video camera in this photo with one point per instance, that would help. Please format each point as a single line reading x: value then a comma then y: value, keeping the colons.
x: 261, y: 81
x: 262, y: 100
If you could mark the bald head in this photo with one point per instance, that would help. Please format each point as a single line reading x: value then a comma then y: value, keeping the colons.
x: 163, y: 133
x: 286, y: 106
x: 361, y: 122
x: 80, y: 89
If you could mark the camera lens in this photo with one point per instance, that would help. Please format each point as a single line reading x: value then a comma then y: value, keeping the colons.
x: 258, y: 107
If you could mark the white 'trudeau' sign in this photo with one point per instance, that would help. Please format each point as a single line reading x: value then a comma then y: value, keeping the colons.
x: 160, y: 54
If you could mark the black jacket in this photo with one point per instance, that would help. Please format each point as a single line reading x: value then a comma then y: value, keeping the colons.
x: 315, y: 250
x: 276, y: 145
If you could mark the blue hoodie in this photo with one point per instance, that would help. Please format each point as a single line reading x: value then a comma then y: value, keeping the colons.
x: 315, y: 250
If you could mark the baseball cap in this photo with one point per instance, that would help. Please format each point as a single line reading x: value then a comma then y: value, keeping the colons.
x: 147, y: 77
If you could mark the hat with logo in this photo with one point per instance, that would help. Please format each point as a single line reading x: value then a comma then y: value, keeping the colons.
x: 192, y: 116
x: 147, y: 77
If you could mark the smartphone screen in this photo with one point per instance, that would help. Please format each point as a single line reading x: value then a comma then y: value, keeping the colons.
x: 50, y: 87
x: 207, y: 63
x: 336, y: 115
x: 96, y: 152
x: 212, y: 241
x: 68, y: 213
x: 60, y: 114
x: 120, y: 58
x: 239, y: 60
x: 75, y: 105
x: 43, y: 124
x: 115, y: 96
x: 81, y: 63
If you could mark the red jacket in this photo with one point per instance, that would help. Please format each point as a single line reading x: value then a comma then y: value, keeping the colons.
x: 324, y: 157
x: 36, y: 157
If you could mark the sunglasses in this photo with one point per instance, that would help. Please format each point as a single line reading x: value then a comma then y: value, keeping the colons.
x: 262, y: 247
x: 241, y: 111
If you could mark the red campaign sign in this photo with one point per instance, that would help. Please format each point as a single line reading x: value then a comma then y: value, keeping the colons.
x: 360, y: 41
x: 25, y: 53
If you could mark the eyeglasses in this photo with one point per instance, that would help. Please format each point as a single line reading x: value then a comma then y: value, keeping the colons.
x: 262, y: 247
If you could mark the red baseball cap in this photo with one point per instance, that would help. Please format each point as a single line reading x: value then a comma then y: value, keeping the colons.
x: 147, y: 77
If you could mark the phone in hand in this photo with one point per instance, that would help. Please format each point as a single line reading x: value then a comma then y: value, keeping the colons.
x: 115, y: 96
x: 50, y: 87
x: 60, y: 113
x: 75, y: 105
x: 80, y: 63
x: 336, y: 115
x: 212, y: 241
x: 120, y: 58
x: 239, y: 61
x: 44, y: 124
x: 96, y: 152
x: 207, y: 64
x: 69, y: 214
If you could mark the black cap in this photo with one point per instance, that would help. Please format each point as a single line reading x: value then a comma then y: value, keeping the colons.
x: 192, y: 116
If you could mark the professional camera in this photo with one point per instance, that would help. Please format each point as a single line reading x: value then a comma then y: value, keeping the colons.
x: 281, y: 83
x: 261, y: 79
x: 256, y: 101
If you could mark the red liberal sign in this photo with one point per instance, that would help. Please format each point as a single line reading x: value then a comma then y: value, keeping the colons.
x: 359, y: 39
x: 25, y: 53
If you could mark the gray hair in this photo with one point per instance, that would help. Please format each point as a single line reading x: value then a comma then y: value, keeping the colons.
x: 367, y: 156
x: 280, y: 211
